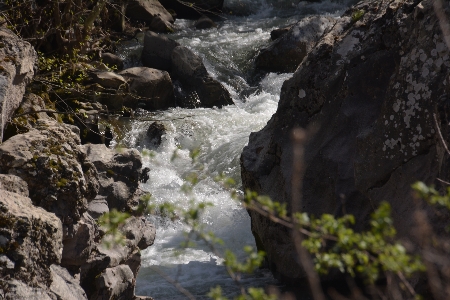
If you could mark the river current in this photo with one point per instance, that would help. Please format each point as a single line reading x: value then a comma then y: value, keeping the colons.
x: 220, y: 135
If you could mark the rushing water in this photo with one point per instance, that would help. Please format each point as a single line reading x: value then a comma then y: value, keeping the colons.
x: 220, y: 134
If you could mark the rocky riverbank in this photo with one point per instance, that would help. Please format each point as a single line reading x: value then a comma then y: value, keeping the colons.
x: 372, y: 85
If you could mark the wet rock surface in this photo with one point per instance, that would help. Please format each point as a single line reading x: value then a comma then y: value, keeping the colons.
x: 205, y: 91
x: 371, y: 86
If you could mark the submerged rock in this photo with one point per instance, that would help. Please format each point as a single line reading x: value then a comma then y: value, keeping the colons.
x: 287, y: 52
x: 150, y: 88
x: 371, y: 86
x: 155, y: 132
x: 204, y: 23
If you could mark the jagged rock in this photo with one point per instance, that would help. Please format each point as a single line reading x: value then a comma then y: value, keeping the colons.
x: 371, y: 86
x: 14, y: 184
x: 59, y: 177
x: 192, y: 11
x: 108, y: 80
x: 188, y: 68
x: 139, y: 232
x: 64, y: 286
x: 15, y: 290
x: 149, y: 88
x: 30, y: 103
x: 115, y: 283
x: 112, y: 60
x: 17, y: 63
x: 152, y: 13
x: 79, y: 242
x: 121, y: 165
x: 155, y: 132
x: 157, y: 51
x: 204, y: 23
x: 286, y: 53
x: 30, y: 238
x: 98, y: 207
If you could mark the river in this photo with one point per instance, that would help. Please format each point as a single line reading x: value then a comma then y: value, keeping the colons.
x: 220, y: 135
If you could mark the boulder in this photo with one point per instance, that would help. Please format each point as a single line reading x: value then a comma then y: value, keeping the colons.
x: 157, y: 51
x: 371, y: 86
x: 109, y: 80
x: 14, y: 184
x: 112, y: 60
x: 17, y: 64
x: 79, y: 242
x: 152, y: 13
x: 15, y: 289
x: 122, y: 165
x: 188, y: 68
x: 204, y: 23
x: 193, y: 10
x: 115, y: 283
x: 150, y: 88
x: 30, y: 240
x: 287, y: 52
x: 155, y: 132
x: 48, y: 158
x: 64, y: 286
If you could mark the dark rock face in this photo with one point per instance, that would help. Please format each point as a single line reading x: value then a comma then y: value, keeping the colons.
x: 156, y: 17
x: 192, y: 12
x: 157, y: 51
x: 276, y: 33
x: 150, y: 88
x: 189, y: 69
x: 48, y: 158
x: 372, y: 86
x: 287, y: 52
x: 17, y: 63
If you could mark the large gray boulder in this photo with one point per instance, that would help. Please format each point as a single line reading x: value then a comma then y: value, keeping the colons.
x: 150, y: 88
x: 152, y: 13
x: 30, y: 240
x: 287, y: 52
x: 157, y: 51
x: 115, y: 283
x: 48, y: 158
x: 17, y: 63
x: 371, y: 86
x: 188, y: 68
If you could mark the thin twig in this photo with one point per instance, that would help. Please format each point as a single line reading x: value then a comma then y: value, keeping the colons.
x: 299, y: 139
x: 440, y: 134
